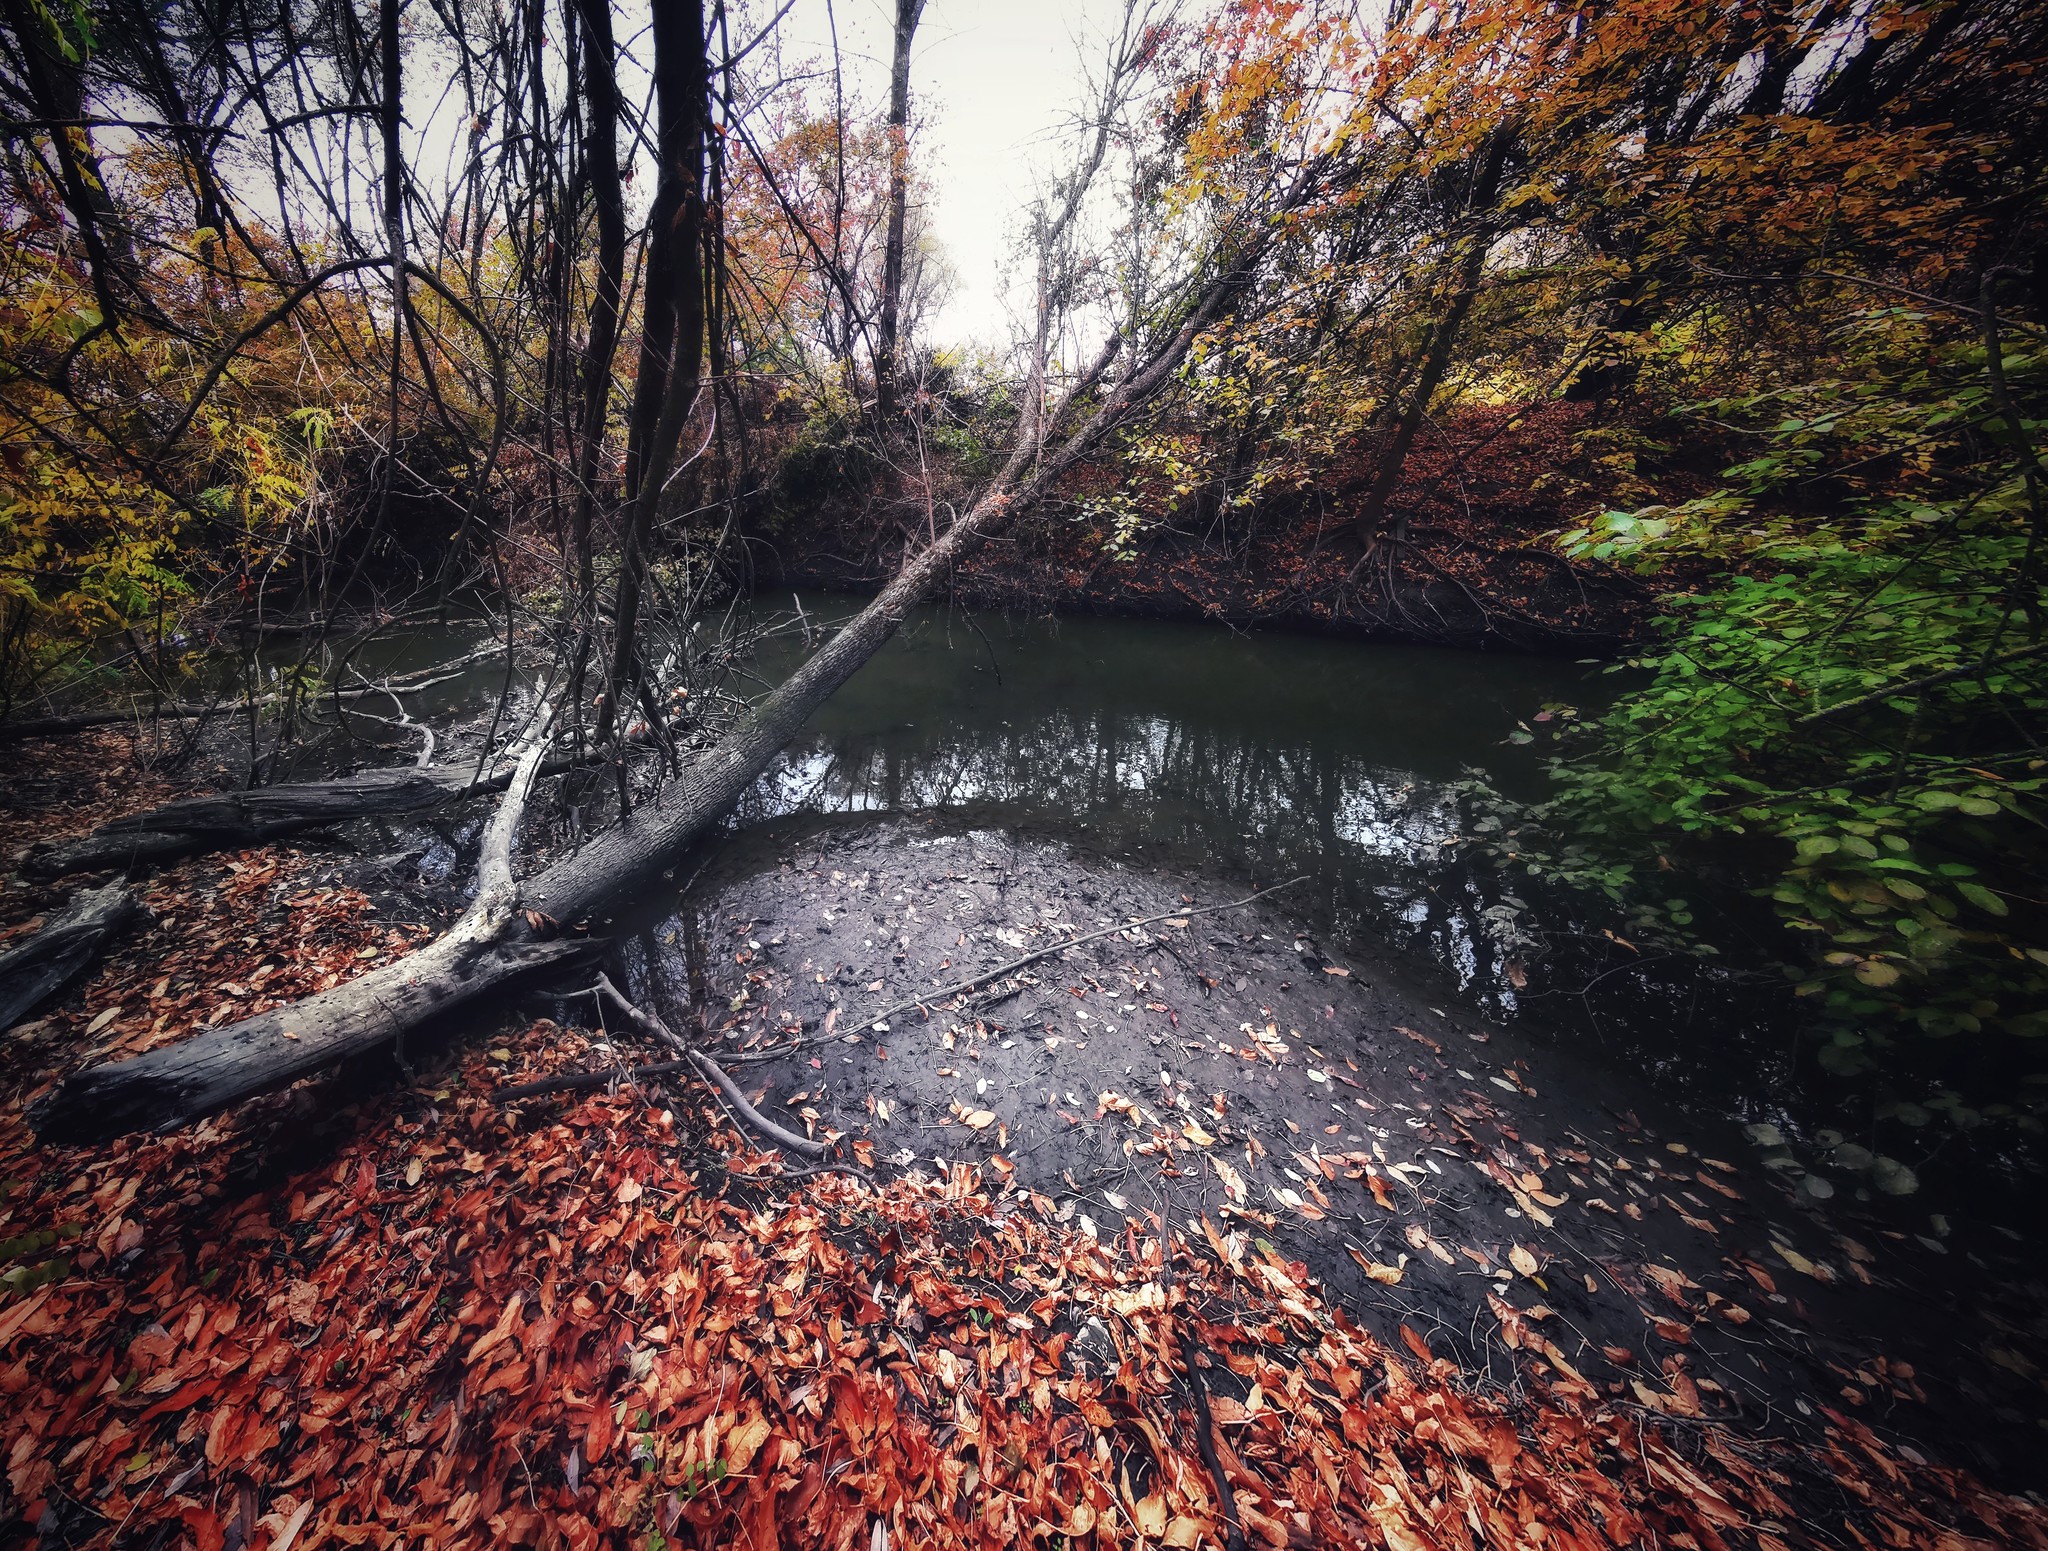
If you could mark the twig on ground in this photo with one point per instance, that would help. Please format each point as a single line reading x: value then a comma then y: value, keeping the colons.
x: 688, y: 1059
x: 578, y: 1082
x: 1205, y: 1437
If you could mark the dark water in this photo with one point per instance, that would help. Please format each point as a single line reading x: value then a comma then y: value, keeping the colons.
x: 1264, y: 756
x: 1254, y: 758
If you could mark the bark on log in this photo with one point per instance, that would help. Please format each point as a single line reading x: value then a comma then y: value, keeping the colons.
x: 213, y: 1069
x: 170, y: 1087
x: 66, y: 946
x: 207, y: 1073
x: 134, y: 716
x: 218, y: 821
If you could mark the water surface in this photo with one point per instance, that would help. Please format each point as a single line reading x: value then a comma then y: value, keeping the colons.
x: 1263, y: 756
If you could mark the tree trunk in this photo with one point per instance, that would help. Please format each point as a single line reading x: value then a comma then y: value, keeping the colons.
x: 509, y: 932
x: 1436, y: 361
x: 601, y: 167
x: 56, y: 87
x: 1482, y: 190
x: 672, y: 328
x: 908, y: 13
x: 216, y: 822
x: 63, y: 949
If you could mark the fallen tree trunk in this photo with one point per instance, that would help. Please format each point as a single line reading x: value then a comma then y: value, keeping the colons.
x: 222, y: 820
x: 481, y: 952
x: 63, y: 949
x: 181, y: 1083
x: 133, y: 716
x: 226, y: 820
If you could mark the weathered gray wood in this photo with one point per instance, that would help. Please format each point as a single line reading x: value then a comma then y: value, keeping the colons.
x: 177, y: 1084
x: 49, y: 961
x: 217, y: 1067
x: 86, y: 721
x: 220, y: 820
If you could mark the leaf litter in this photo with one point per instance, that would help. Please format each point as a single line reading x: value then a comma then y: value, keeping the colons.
x: 428, y: 1318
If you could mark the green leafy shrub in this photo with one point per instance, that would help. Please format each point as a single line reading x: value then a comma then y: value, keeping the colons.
x: 1854, y: 722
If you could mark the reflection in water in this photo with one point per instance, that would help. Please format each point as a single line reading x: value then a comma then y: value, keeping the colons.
x: 1266, y: 755
x: 1377, y: 843
x: 1270, y: 756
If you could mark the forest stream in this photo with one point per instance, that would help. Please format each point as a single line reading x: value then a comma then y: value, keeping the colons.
x: 1177, y: 775
x: 990, y: 786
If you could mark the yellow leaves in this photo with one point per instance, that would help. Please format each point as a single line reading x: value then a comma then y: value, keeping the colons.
x: 1800, y: 1263
x: 498, y: 1334
x: 302, y: 1302
x: 1149, y: 1515
x: 1385, y: 1275
x: 1419, y: 1238
x: 1146, y: 1297
x: 744, y: 1442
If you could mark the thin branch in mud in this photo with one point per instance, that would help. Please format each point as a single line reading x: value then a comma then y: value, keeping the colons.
x: 1205, y: 1441
x: 1001, y: 970
x: 710, y: 1071
x: 718, y: 1077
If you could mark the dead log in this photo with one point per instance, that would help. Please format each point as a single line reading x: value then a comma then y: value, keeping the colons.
x: 231, y: 820
x: 217, y: 1067
x: 514, y: 934
x: 134, y: 716
x: 49, y: 961
x: 225, y: 820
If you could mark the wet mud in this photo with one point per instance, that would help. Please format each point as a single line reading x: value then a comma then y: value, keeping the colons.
x: 1460, y: 1187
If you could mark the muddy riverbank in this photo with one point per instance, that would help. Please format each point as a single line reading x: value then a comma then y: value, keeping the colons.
x: 1455, y: 1185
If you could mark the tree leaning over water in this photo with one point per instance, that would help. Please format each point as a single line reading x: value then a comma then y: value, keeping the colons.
x: 283, y: 320
x: 514, y: 927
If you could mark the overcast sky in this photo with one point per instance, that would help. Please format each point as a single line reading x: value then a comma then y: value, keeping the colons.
x: 989, y: 84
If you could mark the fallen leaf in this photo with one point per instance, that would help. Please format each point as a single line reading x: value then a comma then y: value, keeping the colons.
x: 1387, y: 1276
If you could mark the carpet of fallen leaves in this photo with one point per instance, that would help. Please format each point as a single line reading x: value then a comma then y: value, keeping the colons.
x: 378, y: 1311
x: 61, y: 787
x: 603, y: 1321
